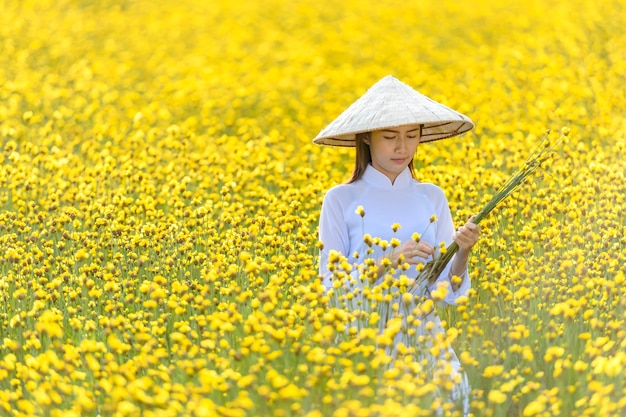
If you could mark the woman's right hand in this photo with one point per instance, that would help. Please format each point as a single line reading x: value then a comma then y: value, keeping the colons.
x: 411, y: 252
x: 414, y: 252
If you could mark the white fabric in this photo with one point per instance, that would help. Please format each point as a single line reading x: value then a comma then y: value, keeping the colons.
x: 406, y: 202
x: 410, y: 204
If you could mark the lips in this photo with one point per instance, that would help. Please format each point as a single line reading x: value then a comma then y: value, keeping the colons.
x: 399, y: 160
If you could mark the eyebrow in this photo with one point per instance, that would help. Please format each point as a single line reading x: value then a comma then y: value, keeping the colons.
x: 395, y: 131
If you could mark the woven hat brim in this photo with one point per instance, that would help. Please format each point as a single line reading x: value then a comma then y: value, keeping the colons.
x: 390, y: 103
x: 430, y: 133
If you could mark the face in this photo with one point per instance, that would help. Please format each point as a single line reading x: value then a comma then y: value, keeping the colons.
x: 393, y: 149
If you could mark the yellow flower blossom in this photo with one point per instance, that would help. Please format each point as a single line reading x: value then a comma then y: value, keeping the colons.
x: 497, y: 397
x: 492, y: 371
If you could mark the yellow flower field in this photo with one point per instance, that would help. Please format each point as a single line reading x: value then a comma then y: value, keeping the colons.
x: 159, y: 199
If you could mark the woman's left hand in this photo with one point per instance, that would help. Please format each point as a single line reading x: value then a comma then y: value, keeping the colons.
x: 467, y: 236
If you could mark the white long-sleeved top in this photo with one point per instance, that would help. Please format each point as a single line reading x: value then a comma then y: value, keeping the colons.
x: 406, y: 202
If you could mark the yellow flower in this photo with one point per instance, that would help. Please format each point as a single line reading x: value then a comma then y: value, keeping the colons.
x: 467, y: 359
x: 553, y: 352
x: 27, y: 115
x: 439, y: 293
x: 497, y: 397
x: 492, y: 371
x: 50, y: 323
x: 360, y: 380
x: 81, y: 254
x: 10, y: 344
x: 534, y: 408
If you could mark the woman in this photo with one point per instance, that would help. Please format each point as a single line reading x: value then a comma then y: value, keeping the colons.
x: 384, y: 222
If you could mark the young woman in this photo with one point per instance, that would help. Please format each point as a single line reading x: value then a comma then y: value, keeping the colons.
x: 383, y: 213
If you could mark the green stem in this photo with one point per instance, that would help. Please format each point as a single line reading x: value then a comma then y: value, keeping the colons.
x: 435, y: 267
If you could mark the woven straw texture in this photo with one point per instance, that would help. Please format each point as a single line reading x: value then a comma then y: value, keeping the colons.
x: 391, y: 103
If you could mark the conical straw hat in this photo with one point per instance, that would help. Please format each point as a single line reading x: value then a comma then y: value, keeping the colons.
x: 391, y: 103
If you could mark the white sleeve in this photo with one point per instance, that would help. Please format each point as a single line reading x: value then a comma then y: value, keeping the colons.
x: 445, y: 233
x: 333, y: 233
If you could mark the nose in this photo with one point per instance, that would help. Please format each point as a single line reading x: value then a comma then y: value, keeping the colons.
x: 401, y: 143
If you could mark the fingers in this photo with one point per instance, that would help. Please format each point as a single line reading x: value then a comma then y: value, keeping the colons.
x: 470, y: 226
x: 466, y: 236
x: 424, y: 250
x: 420, y: 250
x: 473, y: 228
x: 420, y: 254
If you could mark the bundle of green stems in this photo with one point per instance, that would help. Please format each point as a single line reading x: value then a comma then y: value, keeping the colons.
x: 542, y: 152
